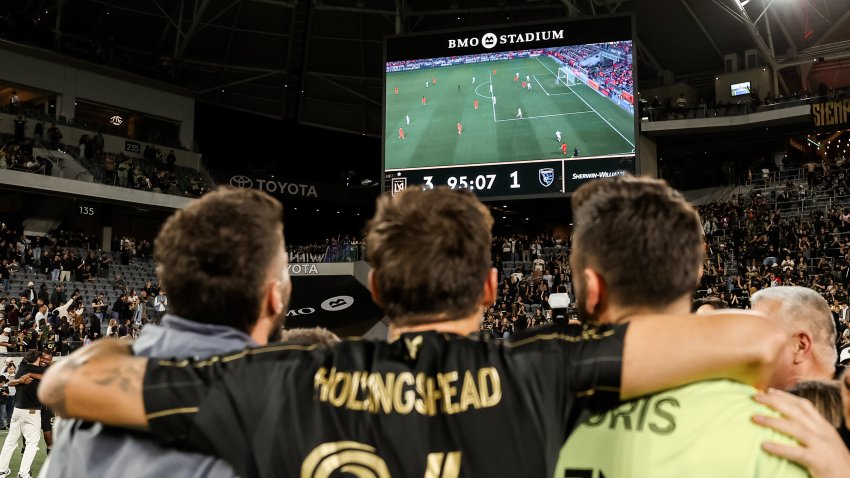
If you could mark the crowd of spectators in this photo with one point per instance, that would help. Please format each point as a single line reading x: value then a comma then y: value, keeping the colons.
x: 155, y: 171
x: 17, y: 154
x: 602, y: 68
x: 72, y: 296
x: 670, y: 108
x: 530, y: 269
x: 335, y: 249
x: 75, y: 293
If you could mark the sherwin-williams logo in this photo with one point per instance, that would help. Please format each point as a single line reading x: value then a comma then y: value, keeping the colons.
x: 489, y: 40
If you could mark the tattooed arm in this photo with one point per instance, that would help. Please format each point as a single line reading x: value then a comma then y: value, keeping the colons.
x: 101, y: 382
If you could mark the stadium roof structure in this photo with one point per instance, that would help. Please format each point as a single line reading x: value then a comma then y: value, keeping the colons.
x: 320, y: 61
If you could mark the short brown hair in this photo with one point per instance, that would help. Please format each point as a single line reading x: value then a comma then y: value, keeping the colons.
x: 641, y: 236
x: 212, y: 256
x: 313, y: 335
x: 825, y: 396
x: 430, y: 254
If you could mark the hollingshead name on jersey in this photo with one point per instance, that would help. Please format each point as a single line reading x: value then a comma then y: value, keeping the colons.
x: 489, y: 40
x: 445, y: 393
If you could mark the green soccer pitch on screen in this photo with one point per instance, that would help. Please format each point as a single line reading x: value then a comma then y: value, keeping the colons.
x: 524, y: 94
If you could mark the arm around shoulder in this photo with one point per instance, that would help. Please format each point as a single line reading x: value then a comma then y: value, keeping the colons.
x: 101, y: 382
x: 666, y: 351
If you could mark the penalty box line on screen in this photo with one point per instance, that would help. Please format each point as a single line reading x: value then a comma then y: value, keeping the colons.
x: 544, y: 89
x: 545, y: 116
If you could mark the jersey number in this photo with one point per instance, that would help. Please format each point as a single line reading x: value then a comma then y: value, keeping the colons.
x: 361, y: 461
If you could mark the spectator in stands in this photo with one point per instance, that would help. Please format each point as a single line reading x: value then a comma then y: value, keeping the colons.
x: 160, y: 305
x: 98, y: 306
x: 809, y: 352
x: 5, y: 340
x: 119, y: 283
x: 14, y: 102
x: 58, y: 297
x: 170, y: 160
x: 54, y: 135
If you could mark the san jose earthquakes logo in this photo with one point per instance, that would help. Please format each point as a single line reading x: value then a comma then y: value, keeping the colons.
x: 546, y: 177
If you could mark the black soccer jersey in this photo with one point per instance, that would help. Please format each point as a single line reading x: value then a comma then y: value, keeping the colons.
x: 429, y: 404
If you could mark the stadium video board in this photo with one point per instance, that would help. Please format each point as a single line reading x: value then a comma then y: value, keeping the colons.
x: 529, y: 110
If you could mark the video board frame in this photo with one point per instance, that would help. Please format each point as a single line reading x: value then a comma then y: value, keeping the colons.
x: 524, y: 179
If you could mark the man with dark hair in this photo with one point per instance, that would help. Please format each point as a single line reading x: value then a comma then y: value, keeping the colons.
x: 628, y: 224
x: 708, y: 304
x: 85, y: 449
x: 47, y: 417
x: 26, y: 419
x: 418, y: 404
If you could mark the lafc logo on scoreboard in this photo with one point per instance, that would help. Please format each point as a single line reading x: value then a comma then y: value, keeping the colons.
x: 398, y: 185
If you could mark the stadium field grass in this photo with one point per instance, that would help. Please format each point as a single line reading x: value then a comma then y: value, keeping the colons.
x: 15, y: 464
x: 587, y: 120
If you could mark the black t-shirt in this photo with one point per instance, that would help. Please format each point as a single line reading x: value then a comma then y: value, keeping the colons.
x: 25, y: 394
x: 449, y: 405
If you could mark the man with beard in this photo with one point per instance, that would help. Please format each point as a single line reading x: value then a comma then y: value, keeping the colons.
x: 430, y: 401
x: 700, y: 430
x: 204, y: 270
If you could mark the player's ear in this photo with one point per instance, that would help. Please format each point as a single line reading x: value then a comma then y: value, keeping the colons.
x: 593, y: 289
x: 802, y: 346
x: 373, y: 288
x: 491, y: 287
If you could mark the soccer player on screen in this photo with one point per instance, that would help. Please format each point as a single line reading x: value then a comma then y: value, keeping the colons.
x: 407, y: 118
x: 475, y: 103
x: 459, y: 128
x: 427, y: 84
x: 400, y: 133
x: 396, y: 90
x: 558, y: 135
x: 423, y: 101
x: 529, y: 86
x: 473, y: 80
x: 523, y: 85
x: 564, y: 148
x: 434, y: 80
x: 702, y: 430
x: 516, y: 77
x: 518, y: 113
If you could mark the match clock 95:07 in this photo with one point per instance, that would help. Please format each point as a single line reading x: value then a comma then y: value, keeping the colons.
x: 492, y: 180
